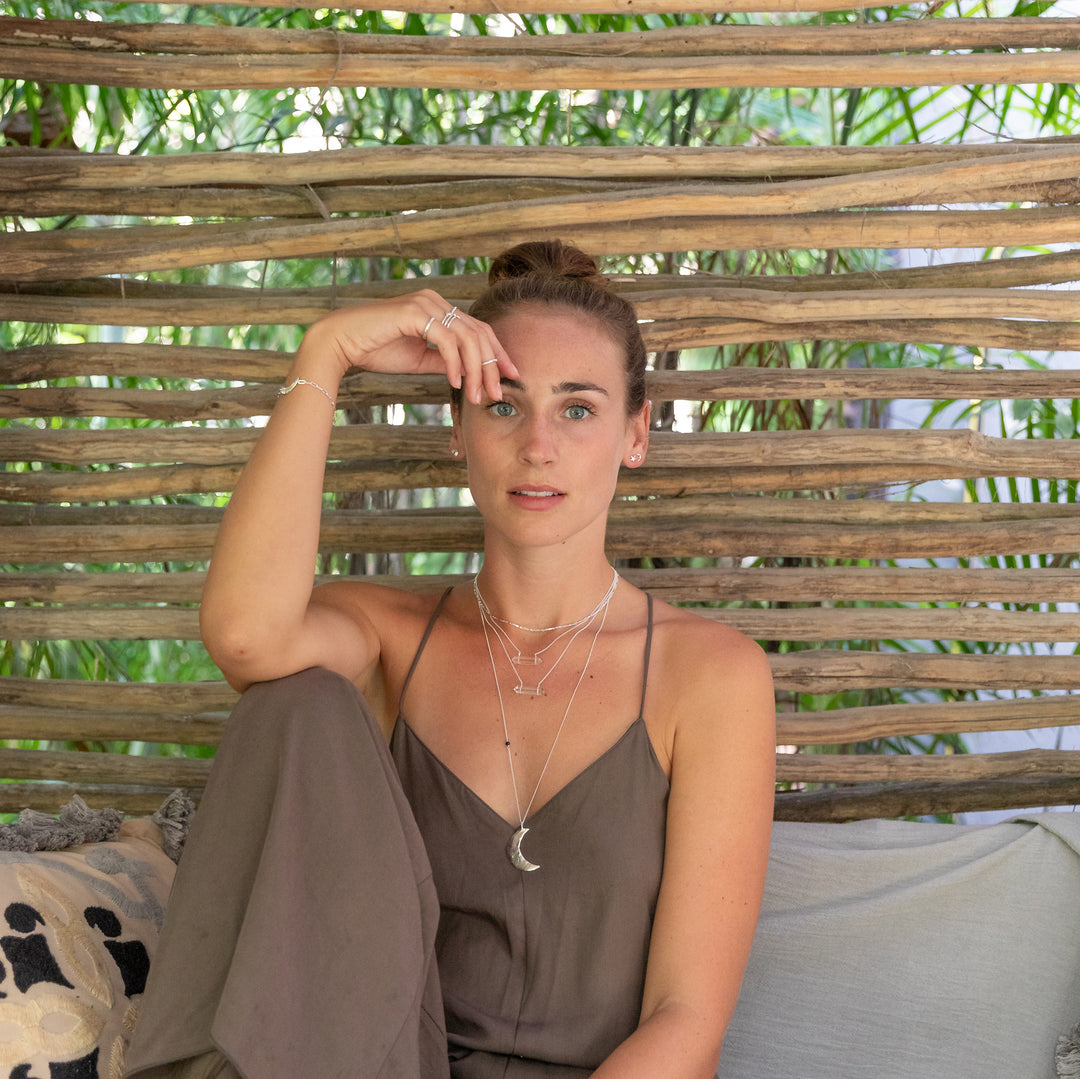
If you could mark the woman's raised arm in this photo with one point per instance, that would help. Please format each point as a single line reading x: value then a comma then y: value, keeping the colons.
x: 257, y: 618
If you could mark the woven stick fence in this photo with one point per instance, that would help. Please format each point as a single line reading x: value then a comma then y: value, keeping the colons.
x: 785, y: 498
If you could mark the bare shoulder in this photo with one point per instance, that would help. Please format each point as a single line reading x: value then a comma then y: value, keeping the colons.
x: 704, y: 654
x: 711, y: 681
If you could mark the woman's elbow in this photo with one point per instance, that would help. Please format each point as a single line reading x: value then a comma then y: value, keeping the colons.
x: 243, y: 652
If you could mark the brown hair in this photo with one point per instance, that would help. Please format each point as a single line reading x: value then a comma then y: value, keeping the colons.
x: 558, y: 274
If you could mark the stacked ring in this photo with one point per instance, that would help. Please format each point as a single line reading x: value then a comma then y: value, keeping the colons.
x: 450, y: 316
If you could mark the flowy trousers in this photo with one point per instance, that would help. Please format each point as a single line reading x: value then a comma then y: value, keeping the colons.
x: 299, y: 938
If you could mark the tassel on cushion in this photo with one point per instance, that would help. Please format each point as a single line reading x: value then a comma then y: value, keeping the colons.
x: 1067, y: 1057
x: 174, y: 818
x: 75, y: 823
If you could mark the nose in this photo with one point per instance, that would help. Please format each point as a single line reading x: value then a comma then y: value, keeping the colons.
x: 538, y: 441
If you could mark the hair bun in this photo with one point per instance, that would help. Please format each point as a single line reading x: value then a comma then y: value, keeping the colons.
x: 550, y: 257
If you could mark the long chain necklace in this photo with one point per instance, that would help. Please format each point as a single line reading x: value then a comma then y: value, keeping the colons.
x: 532, y: 659
x: 514, y: 852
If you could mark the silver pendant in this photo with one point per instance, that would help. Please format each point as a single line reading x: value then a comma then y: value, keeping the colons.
x: 529, y: 691
x: 516, y: 857
x: 526, y: 661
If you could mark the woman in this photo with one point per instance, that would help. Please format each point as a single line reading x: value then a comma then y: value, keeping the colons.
x: 591, y: 773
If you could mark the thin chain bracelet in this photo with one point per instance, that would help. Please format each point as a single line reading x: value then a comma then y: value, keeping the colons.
x: 307, y: 382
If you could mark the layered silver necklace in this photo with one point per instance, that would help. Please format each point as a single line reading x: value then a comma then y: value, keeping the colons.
x: 491, y: 622
x: 522, y: 659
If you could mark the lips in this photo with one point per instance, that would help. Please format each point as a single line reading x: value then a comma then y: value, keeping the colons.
x: 536, y: 496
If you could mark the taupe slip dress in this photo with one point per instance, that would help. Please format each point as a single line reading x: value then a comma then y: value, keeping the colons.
x: 542, y: 973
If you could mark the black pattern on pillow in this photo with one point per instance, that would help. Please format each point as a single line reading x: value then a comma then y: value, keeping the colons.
x: 78, y: 929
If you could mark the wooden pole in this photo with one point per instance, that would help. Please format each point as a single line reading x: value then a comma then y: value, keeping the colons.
x: 630, y: 224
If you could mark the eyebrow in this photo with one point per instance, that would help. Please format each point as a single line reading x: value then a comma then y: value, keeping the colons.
x: 562, y: 387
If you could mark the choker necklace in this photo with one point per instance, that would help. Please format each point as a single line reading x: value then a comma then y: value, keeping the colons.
x: 533, y: 659
x: 482, y: 604
x: 513, y: 851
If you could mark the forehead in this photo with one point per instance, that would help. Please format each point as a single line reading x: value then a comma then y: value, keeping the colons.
x: 555, y: 348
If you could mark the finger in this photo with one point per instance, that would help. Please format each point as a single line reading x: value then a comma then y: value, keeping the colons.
x: 486, y: 358
x: 439, y: 334
x: 465, y: 344
x: 495, y: 367
x: 475, y: 359
x: 495, y: 363
x: 474, y: 350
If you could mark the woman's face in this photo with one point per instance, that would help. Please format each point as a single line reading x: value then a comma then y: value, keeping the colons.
x: 543, y: 461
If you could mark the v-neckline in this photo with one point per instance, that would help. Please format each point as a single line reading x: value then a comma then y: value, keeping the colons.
x: 556, y: 796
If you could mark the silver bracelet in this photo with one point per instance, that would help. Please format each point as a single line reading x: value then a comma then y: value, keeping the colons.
x: 307, y: 382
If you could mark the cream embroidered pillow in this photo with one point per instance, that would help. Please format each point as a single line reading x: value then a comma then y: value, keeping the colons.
x: 78, y: 928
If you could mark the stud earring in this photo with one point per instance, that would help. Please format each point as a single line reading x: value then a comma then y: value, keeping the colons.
x: 634, y: 458
x: 455, y: 453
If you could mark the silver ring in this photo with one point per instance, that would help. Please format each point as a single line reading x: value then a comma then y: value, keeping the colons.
x: 427, y: 326
x: 494, y: 359
x: 449, y: 317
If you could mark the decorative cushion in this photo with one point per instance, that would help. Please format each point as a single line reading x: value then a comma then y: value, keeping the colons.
x: 78, y: 929
x: 906, y: 950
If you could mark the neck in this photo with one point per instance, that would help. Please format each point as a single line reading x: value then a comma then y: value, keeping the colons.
x: 543, y: 591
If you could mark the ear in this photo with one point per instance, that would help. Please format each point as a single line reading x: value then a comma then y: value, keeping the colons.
x: 637, y: 430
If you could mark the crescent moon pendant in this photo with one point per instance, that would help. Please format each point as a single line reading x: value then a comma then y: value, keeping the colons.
x: 519, y: 860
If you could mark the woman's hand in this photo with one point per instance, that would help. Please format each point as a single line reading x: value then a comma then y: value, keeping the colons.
x: 420, y: 333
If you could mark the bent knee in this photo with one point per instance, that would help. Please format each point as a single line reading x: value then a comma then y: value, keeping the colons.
x: 298, y: 702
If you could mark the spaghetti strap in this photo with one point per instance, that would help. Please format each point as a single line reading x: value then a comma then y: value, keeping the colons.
x: 648, y: 652
x: 420, y: 648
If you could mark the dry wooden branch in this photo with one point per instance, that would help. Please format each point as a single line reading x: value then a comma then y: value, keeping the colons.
x: 961, y: 452
x: 817, y: 584
x: 580, y: 7
x: 820, y: 670
x: 925, y: 767
x: 672, y: 480
x: 808, y: 624
x: 165, y: 698
x: 683, y: 527
x: 920, y: 799
x: 85, y: 725
x: 28, y: 169
x: 70, y: 765
x: 298, y: 202
x: 164, y: 480
x: 723, y: 39
x: 631, y: 224
x: 725, y: 384
x: 135, y: 302
x: 476, y: 70
x: 49, y: 796
x: 843, y: 726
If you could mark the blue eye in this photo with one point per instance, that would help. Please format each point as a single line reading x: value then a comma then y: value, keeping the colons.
x: 578, y: 412
x: 502, y: 408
